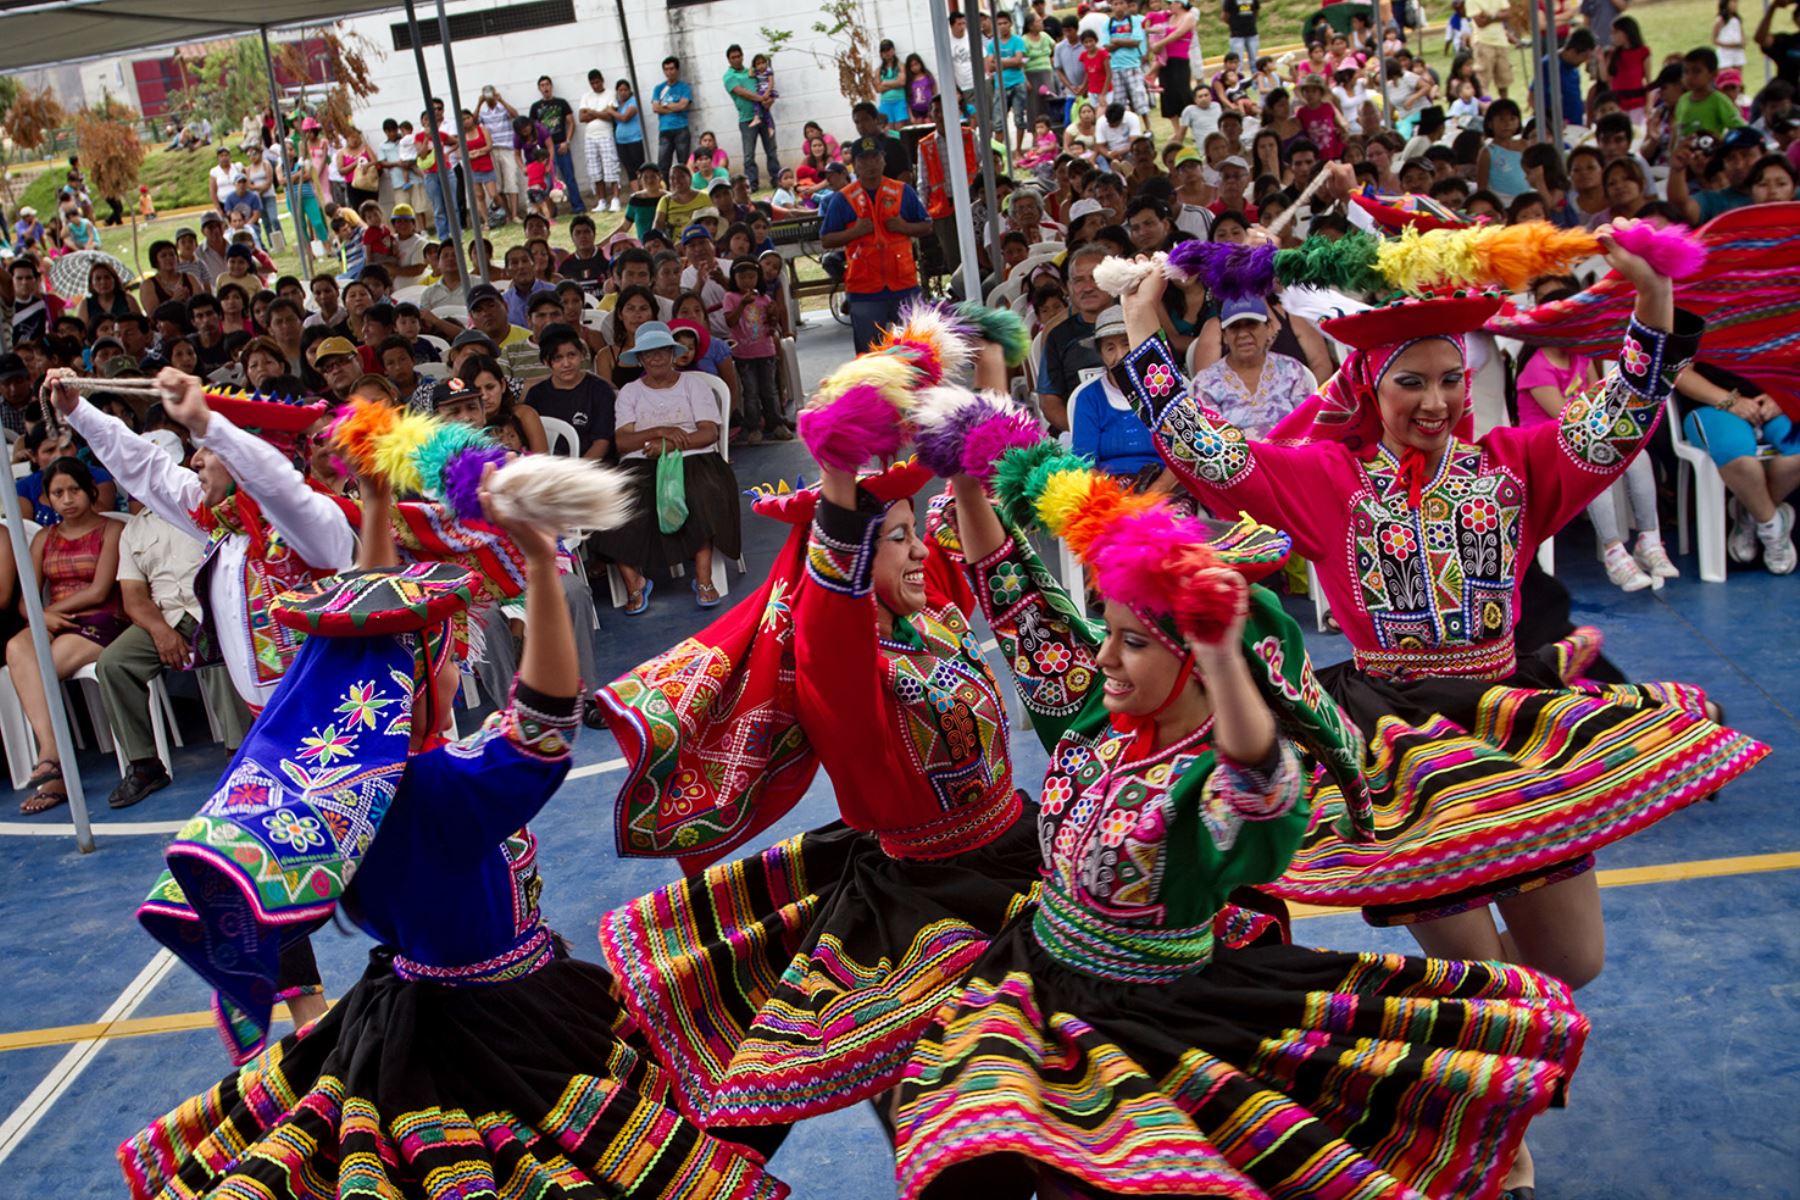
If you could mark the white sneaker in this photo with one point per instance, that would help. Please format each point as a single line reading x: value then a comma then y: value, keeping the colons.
x: 1778, y: 549
x: 1741, y: 544
x: 1652, y: 556
x: 1624, y: 571
x: 614, y: 206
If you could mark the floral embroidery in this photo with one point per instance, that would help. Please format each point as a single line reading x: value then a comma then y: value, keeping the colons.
x: 1481, y: 514
x: 361, y: 706
x: 1053, y: 658
x: 299, y: 832
x: 1159, y: 380
x: 1006, y: 584
x: 1633, y: 356
x: 778, y: 612
x: 1114, y: 828
x: 1057, y: 791
x: 326, y: 745
x: 1398, y: 541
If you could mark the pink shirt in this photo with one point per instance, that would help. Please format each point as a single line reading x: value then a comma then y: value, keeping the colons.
x: 1571, y: 381
x: 751, y: 320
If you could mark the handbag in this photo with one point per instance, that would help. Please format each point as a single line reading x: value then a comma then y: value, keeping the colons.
x: 671, y: 491
x: 366, y: 177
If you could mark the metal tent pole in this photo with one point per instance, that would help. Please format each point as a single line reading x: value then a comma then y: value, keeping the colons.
x: 1539, y: 103
x: 302, y: 242
x: 978, y: 59
x: 462, y: 140
x: 446, y: 176
x: 1552, y: 76
x: 40, y: 644
x: 1006, y: 117
x: 955, y: 169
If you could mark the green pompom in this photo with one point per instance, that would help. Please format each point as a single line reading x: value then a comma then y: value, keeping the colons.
x: 1002, y: 326
x: 1013, y: 475
x: 446, y: 442
x: 1346, y: 264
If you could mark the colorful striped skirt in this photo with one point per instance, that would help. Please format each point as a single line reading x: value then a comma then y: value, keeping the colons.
x: 1486, y: 789
x: 1271, y: 1072
x: 533, y: 1087
x: 794, y: 982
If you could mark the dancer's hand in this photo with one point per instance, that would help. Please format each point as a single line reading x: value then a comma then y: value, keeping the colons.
x: 1219, y: 643
x: 184, y: 400
x: 537, y: 546
x: 56, y: 389
x: 1142, y: 306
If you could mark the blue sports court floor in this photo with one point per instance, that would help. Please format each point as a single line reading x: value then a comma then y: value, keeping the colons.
x: 1689, y: 1090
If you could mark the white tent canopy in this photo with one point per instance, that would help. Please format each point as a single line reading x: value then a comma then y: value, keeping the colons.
x: 36, y: 35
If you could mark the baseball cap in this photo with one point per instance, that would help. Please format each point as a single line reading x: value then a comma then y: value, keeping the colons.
x: 868, y: 144
x: 1189, y: 155
x: 333, y: 347
x: 1084, y: 208
x: 447, y: 390
x: 472, y: 337
x: 1110, y: 323
x: 1741, y: 137
x: 1730, y: 77
x: 482, y: 292
x: 185, y: 231
x: 113, y: 368
x: 12, y: 366
x: 695, y: 232
x: 837, y: 167
x: 1244, y: 308
x: 212, y: 217
x: 403, y: 210
x: 1233, y: 160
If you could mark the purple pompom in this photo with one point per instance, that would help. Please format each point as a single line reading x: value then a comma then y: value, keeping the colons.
x: 857, y: 426
x: 987, y: 442
x: 941, y: 446
x: 462, y: 479
x: 1229, y: 272
x: 1187, y: 260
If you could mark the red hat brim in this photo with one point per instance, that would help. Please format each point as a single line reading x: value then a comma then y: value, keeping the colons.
x: 1412, y: 318
x: 1395, y: 219
x: 901, y: 481
x: 272, y: 416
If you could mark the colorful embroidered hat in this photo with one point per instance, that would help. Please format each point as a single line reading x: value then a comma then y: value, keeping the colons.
x: 366, y: 602
x: 264, y: 412
x: 1391, y: 214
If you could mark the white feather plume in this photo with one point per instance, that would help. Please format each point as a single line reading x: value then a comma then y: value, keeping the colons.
x: 928, y: 321
x: 932, y: 408
x: 560, y: 495
x: 1121, y: 276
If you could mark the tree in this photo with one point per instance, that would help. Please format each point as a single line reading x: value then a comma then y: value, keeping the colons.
x: 234, y: 81
x: 112, y: 155
x: 853, y: 50
x: 31, y: 118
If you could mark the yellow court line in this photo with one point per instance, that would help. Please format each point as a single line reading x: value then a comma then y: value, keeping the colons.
x: 1701, y: 868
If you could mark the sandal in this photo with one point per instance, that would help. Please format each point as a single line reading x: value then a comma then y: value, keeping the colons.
x: 702, y: 601
x: 47, y: 771
x: 42, y: 801
x: 636, y: 610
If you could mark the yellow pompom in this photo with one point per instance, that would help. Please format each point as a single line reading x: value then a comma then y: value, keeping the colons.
x: 396, y: 451
x: 1066, y: 493
x: 891, y: 374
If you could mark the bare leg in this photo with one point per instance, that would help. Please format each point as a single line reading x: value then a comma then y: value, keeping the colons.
x: 1783, y: 475
x: 307, y: 1009
x: 1746, y: 479
x: 634, y: 584
x: 69, y: 652
x: 1559, y: 929
x: 703, y: 572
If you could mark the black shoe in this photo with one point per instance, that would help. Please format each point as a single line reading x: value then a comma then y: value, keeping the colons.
x: 139, y: 782
x: 1519, y: 1193
x: 591, y: 715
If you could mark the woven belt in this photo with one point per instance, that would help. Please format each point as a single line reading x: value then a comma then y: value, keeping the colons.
x: 1082, y: 940
x: 958, y: 831
x: 1482, y: 660
x: 531, y: 953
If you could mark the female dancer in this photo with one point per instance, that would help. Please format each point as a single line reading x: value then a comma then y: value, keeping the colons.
x: 474, y: 1056
x: 1495, y: 781
x: 1108, y: 1045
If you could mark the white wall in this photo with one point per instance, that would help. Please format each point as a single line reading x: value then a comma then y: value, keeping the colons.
x: 697, y: 34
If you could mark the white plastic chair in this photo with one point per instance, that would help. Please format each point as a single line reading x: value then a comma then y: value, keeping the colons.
x: 452, y: 312
x: 163, y: 725
x: 1006, y: 292
x: 436, y: 372
x: 1700, y: 472
x: 790, y: 362
x: 435, y: 342
x: 602, y: 321
x: 561, y: 436
x: 21, y: 747
x: 410, y: 294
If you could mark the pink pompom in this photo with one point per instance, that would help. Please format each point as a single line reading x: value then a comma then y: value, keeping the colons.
x: 1205, y: 598
x: 1675, y: 251
x: 1130, y: 559
x: 857, y: 426
x: 987, y: 442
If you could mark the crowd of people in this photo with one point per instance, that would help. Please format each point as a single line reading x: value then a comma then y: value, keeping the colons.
x: 953, y: 949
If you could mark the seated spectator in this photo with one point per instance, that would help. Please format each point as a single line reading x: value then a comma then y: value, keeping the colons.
x: 106, y: 294
x: 711, y: 354
x: 667, y: 412
x: 636, y: 308
x: 573, y: 394
x: 500, y: 402
x: 401, y: 367
x: 44, y: 446
x: 1252, y: 387
x: 488, y: 314
x: 1757, y: 450
x: 1626, y: 193
x: 78, y: 561
x: 750, y: 319
x: 573, y: 299
x: 1103, y: 425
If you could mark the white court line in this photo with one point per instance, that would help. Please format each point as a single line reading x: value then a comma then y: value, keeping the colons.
x: 18, y: 1126
x: 166, y: 828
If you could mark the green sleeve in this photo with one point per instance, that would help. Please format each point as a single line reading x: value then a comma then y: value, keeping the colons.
x: 1048, y: 643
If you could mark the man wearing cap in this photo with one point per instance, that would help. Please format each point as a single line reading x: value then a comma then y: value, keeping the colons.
x: 875, y: 220
x: 336, y: 359
x: 1234, y: 177
x: 702, y: 275
x: 187, y: 255
x: 488, y: 314
x: 213, y: 247
x: 1737, y: 153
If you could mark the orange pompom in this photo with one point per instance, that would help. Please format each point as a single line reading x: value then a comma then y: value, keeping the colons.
x: 357, y: 432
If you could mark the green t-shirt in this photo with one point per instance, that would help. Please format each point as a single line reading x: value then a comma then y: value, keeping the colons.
x: 1714, y: 114
x: 746, y: 109
x: 1038, y: 51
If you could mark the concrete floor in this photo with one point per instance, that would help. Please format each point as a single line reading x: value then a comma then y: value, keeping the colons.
x: 1689, y: 1088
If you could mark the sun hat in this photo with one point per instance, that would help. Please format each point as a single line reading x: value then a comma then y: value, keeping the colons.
x: 653, y: 335
x: 1084, y: 208
x: 1110, y: 323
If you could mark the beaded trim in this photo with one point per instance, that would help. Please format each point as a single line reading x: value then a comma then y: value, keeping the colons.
x: 1494, y: 659
x: 527, y: 956
x: 1082, y: 940
x: 957, y: 832
x: 538, y: 731
x: 835, y: 561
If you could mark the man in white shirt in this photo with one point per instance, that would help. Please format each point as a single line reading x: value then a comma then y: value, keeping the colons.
x: 157, y: 566
x: 213, y: 246
x: 1117, y: 128
x: 219, y: 179
x: 960, y: 57
x: 597, y: 113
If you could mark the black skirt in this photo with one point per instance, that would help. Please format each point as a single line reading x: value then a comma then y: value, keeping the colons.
x: 714, y: 517
x: 533, y: 1086
x: 1270, y: 1071
x: 1177, y: 88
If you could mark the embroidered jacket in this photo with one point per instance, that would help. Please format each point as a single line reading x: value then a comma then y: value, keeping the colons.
x: 1137, y: 857
x: 912, y: 729
x: 1433, y: 589
x: 451, y: 883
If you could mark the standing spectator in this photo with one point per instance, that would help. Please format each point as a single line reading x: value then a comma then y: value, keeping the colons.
x: 1006, y: 81
x: 1577, y: 50
x: 921, y: 88
x: 871, y: 129
x: 1702, y: 107
x: 1040, y: 71
x: 554, y: 114
x: 483, y: 176
x: 1125, y: 42
x: 497, y: 117
x: 356, y: 163
x: 875, y: 219
x: 891, y: 86
x: 398, y: 169
x: 1176, y: 45
x: 1728, y: 35
x: 961, y: 60
x: 218, y: 179
x: 1783, y: 49
x: 598, y: 114
x: 750, y: 319
x: 628, y: 132
x: 671, y: 100
x: 1071, y: 76
x: 157, y: 567
x: 1096, y: 69
x: 1600, y: 16
x: 1492, y: 40
x: 1240, y: 25
x: 754, y: 118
